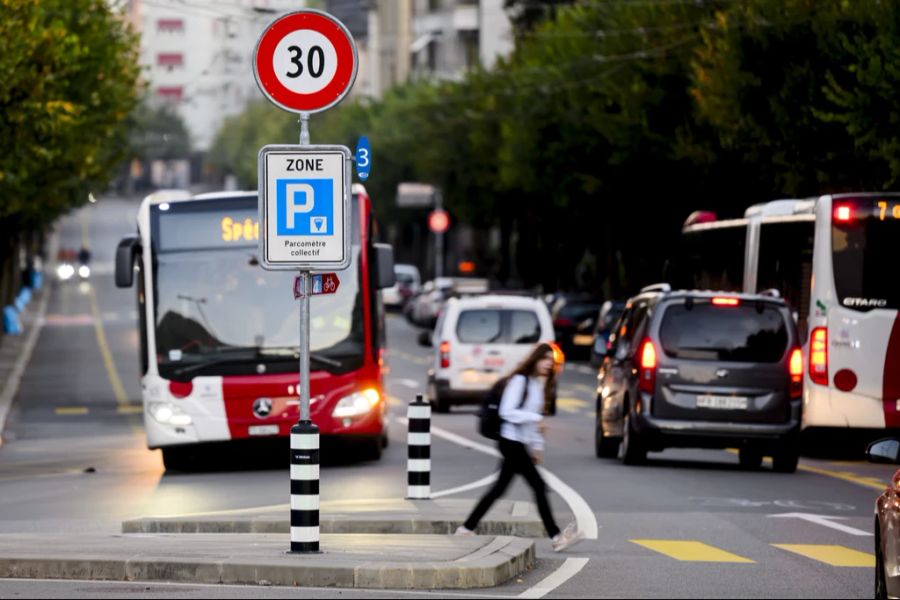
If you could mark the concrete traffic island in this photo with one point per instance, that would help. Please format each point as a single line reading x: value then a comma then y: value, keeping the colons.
x: 440, y: 516
x: 347, y: 561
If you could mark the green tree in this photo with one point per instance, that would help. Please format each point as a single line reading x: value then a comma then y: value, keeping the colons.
x: 68, y: 74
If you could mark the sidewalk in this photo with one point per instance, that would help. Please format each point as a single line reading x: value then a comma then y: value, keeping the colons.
x: 349, y: 561
x: 15, y: 350
x: 441, y: 516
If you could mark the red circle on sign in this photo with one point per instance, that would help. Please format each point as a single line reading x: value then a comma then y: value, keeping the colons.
x: 339, y: 85
x: 439, y: 221
x: 845, y: 380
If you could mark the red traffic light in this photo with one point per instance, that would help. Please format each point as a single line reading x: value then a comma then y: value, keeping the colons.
x: 438, y: 221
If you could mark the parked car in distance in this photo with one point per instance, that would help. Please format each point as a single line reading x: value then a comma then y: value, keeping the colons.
x: 409, y: 283
x: 702, y: 370
x: 609, y: 314
x: 574, y: 321
x: 479, y: 339
x: 427, y: 306
x: 887, y: 517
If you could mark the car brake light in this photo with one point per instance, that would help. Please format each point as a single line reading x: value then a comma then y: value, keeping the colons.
x: 843, y: 214
x: 558, y: 356
x: 818, y: 356
x: 726, y: 302
x: 648, y: 367
x: 562, y: 323
x: 445, y: 355
x: 796, y: 372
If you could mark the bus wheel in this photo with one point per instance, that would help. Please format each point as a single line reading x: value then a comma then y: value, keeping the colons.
x: 372, y: 449
x: 176, y: 459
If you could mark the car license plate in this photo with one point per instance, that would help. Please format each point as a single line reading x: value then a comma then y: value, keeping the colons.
x: 263, y: 430
x: 583, y: 340
x: 723, y: 402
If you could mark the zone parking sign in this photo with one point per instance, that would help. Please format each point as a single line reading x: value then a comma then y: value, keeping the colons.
x: 304, y: 206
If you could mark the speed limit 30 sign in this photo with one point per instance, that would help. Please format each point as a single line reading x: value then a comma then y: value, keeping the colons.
x: 305, y: 62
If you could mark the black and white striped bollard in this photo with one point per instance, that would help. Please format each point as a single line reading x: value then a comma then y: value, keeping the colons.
x: 419, y: 457
x: 304, y: 487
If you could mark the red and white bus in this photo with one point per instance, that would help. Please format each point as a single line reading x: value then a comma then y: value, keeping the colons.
x: 831, y: 257
x: 219, y: 335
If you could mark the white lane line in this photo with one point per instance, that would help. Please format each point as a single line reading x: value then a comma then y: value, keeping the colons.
x: 583, y: 370
x: 410, y: 383
x: 567, y: 571
x: 825, y: 521
x: 469, y: 486
x: 584, y: 516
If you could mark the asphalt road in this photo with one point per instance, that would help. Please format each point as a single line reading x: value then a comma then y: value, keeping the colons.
x: 689, y: 524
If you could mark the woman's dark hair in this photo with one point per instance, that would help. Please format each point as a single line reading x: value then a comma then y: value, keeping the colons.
x: 528, y: 367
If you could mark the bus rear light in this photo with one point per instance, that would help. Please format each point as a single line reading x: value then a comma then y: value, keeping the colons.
x: 843, y: 213
x: 796, y: 372
x: 647, y: 371
x: 818, y: 356
x: 721, y: 301
x: 445, y: 355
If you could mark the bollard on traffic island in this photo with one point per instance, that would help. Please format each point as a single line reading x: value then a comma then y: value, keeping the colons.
x: 304, y: 487
x: 419, y: 456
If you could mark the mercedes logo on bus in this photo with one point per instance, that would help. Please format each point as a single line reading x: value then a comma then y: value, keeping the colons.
x: 262, y: 408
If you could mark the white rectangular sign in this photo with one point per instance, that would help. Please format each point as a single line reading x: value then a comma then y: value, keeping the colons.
x: 304, y: 207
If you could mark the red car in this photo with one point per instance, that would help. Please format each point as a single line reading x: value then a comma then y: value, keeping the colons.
x: 887, y: 522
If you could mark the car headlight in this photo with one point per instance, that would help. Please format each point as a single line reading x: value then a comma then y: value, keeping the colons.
x: 166, y: 413
x: 357, y: 404
x: 84, y: 271
x: 65, y: 271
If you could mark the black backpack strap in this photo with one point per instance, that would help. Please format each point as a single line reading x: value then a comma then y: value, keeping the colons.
x: 524, y: 393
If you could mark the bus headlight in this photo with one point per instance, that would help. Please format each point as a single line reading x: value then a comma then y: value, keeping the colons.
x: 167, y: 413
x: 357, y: 404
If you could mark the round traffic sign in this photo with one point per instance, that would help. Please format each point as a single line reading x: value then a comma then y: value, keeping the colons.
x: 439, y: 221
x: 305, y: 61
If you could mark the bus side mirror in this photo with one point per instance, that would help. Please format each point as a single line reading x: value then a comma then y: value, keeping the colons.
x: 383, y: 258
x: 125, y: 255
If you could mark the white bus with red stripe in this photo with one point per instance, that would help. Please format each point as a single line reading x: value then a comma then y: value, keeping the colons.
x: 219, y: 335
x: 833, y: 258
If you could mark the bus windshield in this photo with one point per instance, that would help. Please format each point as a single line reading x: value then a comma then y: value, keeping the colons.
x: 864, y: 247
x: 219, y: 313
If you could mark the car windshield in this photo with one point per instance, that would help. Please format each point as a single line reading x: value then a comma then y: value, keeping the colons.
x: 745, y: 333
x: 498, y: 326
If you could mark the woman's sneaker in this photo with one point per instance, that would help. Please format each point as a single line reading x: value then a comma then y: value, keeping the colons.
x: 568, y: 538
x: 462, y: 531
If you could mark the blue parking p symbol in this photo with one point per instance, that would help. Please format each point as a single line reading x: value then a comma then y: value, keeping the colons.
x: 304, y: 206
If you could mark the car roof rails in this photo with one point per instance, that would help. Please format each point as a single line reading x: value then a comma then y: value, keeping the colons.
x: 770, y: 293
x: 664, y: 288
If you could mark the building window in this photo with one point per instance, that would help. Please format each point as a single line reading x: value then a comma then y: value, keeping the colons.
x: 434, y: 5
x: 170, y: 94
x: 170, y: 60
x: 170, y: 26
x: 469, y: 42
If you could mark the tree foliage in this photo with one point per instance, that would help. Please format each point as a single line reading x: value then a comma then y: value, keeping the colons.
x: 613, y: 120
x: 68, y: 73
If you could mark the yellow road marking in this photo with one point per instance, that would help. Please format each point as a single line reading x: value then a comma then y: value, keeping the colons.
x: 130, y: 409
x: 571, y: 405
x: 68, y: 411
x: 111, y: 372
x: 836, y: 556
x: 691, y: 551
x: 394, y: 401
x: 869, y: 482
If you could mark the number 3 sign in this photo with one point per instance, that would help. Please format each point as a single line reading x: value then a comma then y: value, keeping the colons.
x: 305, y: 61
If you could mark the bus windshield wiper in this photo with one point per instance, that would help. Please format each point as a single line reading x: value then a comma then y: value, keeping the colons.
x: 252, y: 354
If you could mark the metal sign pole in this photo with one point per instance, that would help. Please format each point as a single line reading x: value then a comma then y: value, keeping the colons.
x: 438, y: 240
